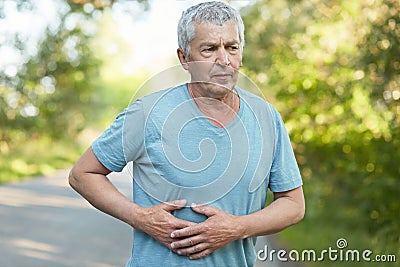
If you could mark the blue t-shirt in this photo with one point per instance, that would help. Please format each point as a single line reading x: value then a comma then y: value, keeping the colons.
x: 177, y: 153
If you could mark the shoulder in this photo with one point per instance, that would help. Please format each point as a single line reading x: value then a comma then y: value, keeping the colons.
x: 257, y: 103
x: 169, y: 96
x: 165, y: 97
x: 170, y: 92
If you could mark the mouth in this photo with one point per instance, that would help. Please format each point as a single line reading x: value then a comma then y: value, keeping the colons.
x: 221, y: 75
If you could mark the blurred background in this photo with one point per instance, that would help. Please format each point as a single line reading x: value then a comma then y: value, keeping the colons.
x: 331, y: 67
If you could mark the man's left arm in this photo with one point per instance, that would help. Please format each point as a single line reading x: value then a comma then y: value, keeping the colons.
x: 221, y: 228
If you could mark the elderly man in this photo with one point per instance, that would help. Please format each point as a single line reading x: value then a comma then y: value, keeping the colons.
x: 204, y: 154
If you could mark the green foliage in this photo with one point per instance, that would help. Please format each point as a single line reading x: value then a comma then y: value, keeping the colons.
x: 51, y: 91
x: 55, y: 92
x: 40, y: 156
x: 332, y: 70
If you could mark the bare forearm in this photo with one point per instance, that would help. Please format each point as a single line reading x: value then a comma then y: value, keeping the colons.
x: 102, y: 194
x: 280, y: 214
x: 88, y: 178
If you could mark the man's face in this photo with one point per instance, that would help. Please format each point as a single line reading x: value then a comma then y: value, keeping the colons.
x: 215, y: 57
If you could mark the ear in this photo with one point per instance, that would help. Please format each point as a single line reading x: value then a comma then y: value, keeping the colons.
x: 182, y: 58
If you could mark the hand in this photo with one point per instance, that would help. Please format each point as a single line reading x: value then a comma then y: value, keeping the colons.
x: 200, y: 240
x: 158, y: 221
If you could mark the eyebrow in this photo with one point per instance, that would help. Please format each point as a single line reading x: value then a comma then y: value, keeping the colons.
x: 229, y: 43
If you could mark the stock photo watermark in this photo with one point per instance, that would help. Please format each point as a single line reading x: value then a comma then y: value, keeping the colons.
x: 338, y: 253
x: 166, y: 125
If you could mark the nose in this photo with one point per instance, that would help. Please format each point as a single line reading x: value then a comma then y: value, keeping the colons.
x: 222, y: 56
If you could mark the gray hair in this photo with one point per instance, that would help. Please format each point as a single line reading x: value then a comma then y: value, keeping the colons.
x: 213, y: 12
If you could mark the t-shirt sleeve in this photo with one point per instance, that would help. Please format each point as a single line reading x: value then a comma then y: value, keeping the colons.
x: 285, y: 173
x: 123, y: 140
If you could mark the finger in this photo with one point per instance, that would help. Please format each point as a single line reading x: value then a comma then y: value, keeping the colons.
x: 203, y: 209
x: 186, y: 232
x: 179, y: 223
x: 173, y: 205
x: 200, y: 254
x: 189, y: 242
x: 192, y: 250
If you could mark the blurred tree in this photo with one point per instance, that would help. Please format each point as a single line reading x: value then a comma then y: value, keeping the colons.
x: 332, y: 69
x: 50, y: 92
x: 380, y: 64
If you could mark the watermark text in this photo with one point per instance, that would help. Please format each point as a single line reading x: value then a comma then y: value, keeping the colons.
x: 338, y: 253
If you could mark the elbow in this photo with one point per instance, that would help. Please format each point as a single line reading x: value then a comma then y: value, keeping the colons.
x: 301, y: 210
x: 72, y: 179
x: 301, y: 214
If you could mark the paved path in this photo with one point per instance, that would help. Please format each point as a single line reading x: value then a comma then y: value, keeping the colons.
x: 44, y: 223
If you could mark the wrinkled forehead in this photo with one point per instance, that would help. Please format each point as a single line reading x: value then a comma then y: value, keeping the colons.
x: 229, y: 29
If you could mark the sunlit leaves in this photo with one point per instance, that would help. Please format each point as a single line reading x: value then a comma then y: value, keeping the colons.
x: 42, y: 92
x: 332, y: 69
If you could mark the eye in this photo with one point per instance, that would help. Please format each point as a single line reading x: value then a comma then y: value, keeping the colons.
x: 207, y: 49
x: 233, y: 47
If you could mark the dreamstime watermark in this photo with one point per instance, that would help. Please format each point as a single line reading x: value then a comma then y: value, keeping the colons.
x: 169, y: 115
x: 338, y: 253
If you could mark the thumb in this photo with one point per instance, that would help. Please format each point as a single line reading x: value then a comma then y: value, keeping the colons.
x: 173, y: 205
x: 203, y: 209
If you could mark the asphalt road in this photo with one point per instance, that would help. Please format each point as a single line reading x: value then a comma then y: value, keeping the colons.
x: 44, y: 223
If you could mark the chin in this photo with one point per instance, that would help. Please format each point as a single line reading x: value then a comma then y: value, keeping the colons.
x: 219, y: 89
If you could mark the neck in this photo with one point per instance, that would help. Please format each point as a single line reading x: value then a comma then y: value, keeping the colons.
x: 227, y: 97
x: 220, y: 109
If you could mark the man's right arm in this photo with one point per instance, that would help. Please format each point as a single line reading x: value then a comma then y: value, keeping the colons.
x: 89, y: 178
